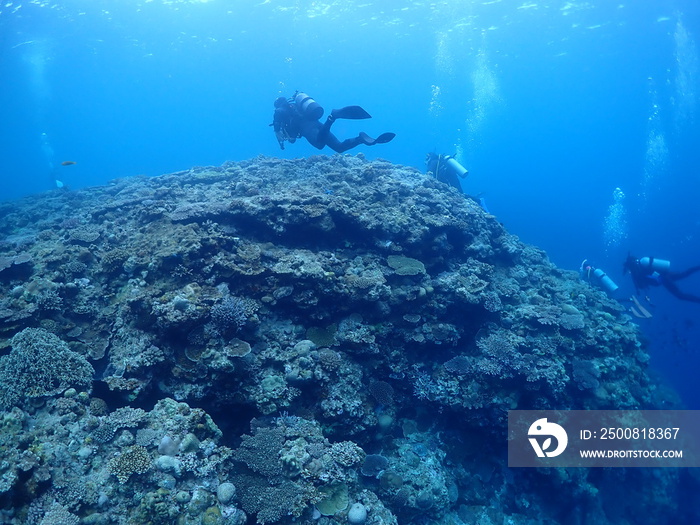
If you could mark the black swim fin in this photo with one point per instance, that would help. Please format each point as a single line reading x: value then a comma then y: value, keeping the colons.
x: 350, y: 112
x: 384, y: 138
x: 381, y: 139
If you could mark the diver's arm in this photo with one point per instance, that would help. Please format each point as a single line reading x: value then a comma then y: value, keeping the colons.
x: 279, y: 122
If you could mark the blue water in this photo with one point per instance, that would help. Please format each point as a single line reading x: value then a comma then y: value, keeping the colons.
x: 551, y: 106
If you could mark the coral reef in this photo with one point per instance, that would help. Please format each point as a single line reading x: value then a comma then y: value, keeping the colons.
x: 324, y: 340
x: 40, y: 364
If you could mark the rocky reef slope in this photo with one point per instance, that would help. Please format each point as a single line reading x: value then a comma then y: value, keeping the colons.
x: 325, y: 340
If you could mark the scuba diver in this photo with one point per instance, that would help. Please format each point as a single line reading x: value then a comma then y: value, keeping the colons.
x: 598, y: 277
x: 446, y: 169
x: 592, y: 274
x: 649, y: 271
x: 299, y: 116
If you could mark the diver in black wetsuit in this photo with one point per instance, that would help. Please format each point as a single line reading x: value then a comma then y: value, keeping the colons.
x: 299, y: 117
x: 445, y: 168
x: 648, y: 271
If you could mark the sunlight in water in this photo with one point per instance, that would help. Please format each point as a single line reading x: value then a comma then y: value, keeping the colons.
x: 36, y: 54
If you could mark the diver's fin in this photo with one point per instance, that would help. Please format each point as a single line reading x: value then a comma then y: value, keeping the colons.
x: 351, y: 112
x: 381, y: 139
x: 384, y: 138
x: 366, y: 139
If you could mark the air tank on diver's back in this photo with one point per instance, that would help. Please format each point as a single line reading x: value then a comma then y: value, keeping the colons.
x: 652, y: 263
x: 455, y: 166
x: 307, y: 107
x: 605, y: 282
x: 589, y: 273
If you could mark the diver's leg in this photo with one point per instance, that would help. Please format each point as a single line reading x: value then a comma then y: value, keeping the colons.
x: 312, y: 131
x: 671, y: 287
x: 362, y: 138
x: 324, y: 131
x: 351, y: 112
x: 325, y: 135
x: 340, y: 147
x: 332, y: 141
x: 677, y: 276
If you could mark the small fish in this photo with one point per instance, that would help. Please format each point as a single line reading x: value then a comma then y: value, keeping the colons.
x: 68, y: 163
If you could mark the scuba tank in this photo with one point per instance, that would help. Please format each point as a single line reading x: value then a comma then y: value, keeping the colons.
x: 651, y: 263
x: 307, y: 107
x: 455, y: 166
x: 605, y: 282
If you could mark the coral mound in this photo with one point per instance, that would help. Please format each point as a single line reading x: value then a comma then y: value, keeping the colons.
x: 316, y: 335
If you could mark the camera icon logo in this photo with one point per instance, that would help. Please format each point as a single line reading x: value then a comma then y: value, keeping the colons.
x: 540, y: 436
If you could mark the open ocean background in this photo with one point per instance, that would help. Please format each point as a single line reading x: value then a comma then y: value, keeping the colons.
x: 551, y: 105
